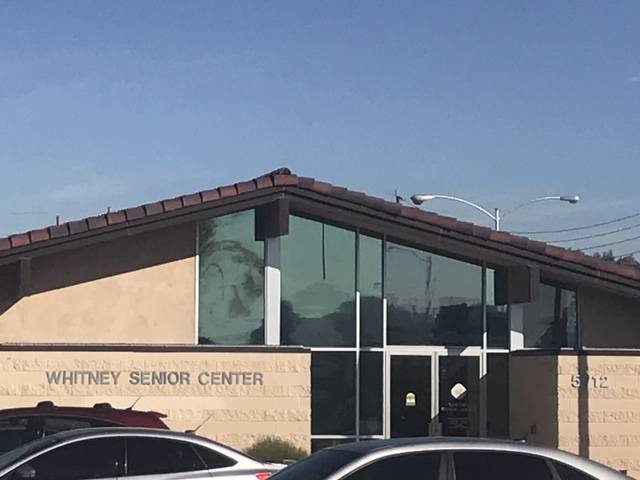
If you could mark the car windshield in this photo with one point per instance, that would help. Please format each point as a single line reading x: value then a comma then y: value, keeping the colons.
x: 26, y: 450
x: 317, y: 466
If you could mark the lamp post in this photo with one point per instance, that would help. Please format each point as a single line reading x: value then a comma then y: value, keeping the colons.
x: 497, y: 216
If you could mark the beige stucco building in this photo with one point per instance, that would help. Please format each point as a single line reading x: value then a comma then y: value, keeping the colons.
x: 286, y: 306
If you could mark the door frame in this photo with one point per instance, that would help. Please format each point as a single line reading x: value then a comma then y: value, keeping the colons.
x: 434, y: 352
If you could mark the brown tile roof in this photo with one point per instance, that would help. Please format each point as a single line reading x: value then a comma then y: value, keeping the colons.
x: 15, y: 244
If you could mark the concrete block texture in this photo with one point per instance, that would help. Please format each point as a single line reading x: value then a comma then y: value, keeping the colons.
x: 587, y: 404
x: 235, y: 397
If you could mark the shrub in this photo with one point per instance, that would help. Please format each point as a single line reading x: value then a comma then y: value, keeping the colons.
x: 274, y: 449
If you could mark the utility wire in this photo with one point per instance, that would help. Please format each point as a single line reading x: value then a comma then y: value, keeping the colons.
x: 596, y: 235
x: 611, y: 243
x: 584, y: 227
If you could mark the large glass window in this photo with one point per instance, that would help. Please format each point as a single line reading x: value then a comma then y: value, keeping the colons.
x: 550, y: 320
x: 231, y: 281
x: 432, y: 300
x: 333, y: 393
x: 318, y: 264
x: 497, y: 315
x: 497, y: 381
x: 371, y: 393
x: 370, y: 288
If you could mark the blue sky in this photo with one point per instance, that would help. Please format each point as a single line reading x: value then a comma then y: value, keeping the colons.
x: 117, y: 103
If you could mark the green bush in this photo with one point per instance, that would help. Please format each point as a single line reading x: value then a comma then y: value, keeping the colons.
x: 274, y: 449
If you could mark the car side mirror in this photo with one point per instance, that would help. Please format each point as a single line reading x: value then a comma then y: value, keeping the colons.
x: 25, y: 471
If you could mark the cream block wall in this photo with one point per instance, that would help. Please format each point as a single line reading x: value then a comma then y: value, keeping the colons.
x: 233, y: 414
x: 600, y: 418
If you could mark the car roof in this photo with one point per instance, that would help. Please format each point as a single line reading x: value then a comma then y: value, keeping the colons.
x: 399, y: 445
x: 137, y: 418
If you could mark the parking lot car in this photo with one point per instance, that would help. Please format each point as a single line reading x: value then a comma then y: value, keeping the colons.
x: 444, y: 459
x: 21, y: 425
x: 116, y: 452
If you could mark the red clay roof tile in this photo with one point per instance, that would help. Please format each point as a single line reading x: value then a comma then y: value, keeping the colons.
x: 5, y: 244
x: 19, y: 240
x: 40, y: 235
x: 113, y: 218
x: 171, y: 204
x: 285, y: 180
x: 78, y: 226
x: 99, y: 221
x: 153, y: 208
x: 134, y: 213
x: 228, y: 191
x: 245, y: 187
x: 190, y: 200
x: 210, y: 195
x: 59, y: 231
x: 264, y: 181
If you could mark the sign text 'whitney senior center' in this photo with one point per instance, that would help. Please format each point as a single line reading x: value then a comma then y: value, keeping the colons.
x: 147, y: 377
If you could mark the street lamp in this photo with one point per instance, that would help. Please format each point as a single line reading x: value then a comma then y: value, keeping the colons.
x: 497, y: 216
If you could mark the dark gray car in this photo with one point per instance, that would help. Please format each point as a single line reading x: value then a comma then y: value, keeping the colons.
x: 444, y: 459
x: 136, y: 453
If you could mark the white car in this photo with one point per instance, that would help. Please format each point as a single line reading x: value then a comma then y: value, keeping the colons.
x: 136, y: 453
x: 444, y: 459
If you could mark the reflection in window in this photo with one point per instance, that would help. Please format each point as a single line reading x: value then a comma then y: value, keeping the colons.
x: 370, y: 288
x: 318, y: 285
x: 550, y: 320
x: 432, y: 300
x: 333, y: 393
x: 231, y: 281
x: 497, y: 316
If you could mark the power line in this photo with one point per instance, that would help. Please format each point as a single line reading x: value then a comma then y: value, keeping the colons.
x: 584, y: 227
x: 611, y: 243
x: 596, y: 235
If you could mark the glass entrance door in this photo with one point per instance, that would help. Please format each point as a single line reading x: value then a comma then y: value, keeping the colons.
x: 436, y: 393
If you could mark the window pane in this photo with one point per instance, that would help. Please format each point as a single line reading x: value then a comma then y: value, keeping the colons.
x: 333, y: 393
x: 497, y: 316
x: 550, y: 320
x: 15, y: 432
x: 231, y: 281
x: 499, y: 466
x: 81, y: 460
x: 148, y: 456
x: 498, y: 395
x: 370, y: 288
x: 213, y: 459
x: 569, y: 473
x: 416, y: 465
x: 318, y: 285
x: 432, y: 300
x: 371, y: 392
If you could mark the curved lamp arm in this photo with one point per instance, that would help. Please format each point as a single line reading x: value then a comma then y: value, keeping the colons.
x: 573, y: 199
x: 418, y: 199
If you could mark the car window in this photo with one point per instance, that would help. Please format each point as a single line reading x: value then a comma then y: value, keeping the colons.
x: 569, y: 473
x: 82, y: 460
x: 318, y: 466
x: 213, y: 459
x: 16, y: 431
x: 499, y: 466
x: 423, y: 466
x: 149, y: 456
x: 55, y: 424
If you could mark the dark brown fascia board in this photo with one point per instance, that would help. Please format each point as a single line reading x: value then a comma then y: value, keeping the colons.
x: 183, y: 215
x: 451, y: 242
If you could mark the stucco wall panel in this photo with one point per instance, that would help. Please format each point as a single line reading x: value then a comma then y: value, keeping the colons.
x: 277, y: 404
x: 139, y: 289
